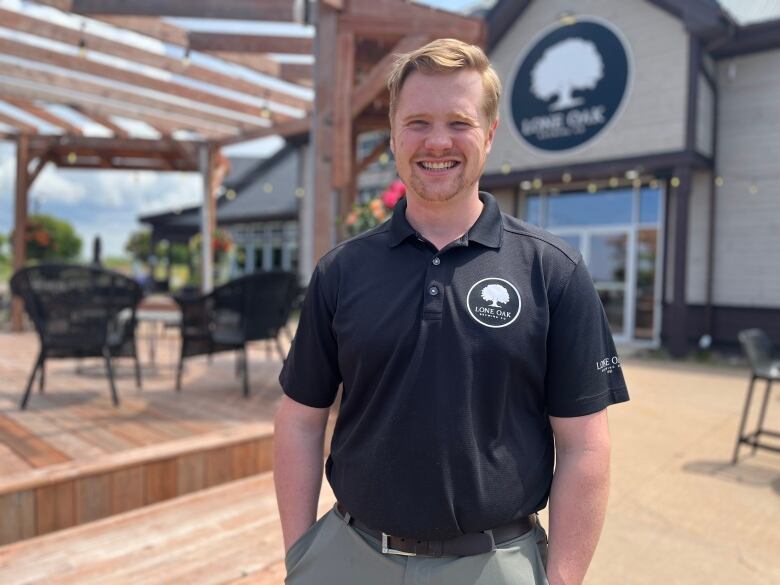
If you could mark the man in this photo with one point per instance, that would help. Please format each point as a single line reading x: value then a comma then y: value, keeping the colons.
x: 466, y: 341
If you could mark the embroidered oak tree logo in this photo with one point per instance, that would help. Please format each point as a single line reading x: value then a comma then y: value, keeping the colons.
x: 494, y: 294
x: 570, y: 65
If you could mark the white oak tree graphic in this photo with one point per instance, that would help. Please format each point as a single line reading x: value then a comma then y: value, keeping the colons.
x: 569, y: 65
x: 494, y: 294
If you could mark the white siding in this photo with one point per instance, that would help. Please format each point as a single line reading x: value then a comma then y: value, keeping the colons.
x: 653, y: 116
x: 747, y: 242
x: 698, y: 234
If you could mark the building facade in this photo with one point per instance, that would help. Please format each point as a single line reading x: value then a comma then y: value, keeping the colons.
x: 646, y: 133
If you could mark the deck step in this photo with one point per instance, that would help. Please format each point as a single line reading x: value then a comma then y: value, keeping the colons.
x: 39, y: 501
x: 228, y: 534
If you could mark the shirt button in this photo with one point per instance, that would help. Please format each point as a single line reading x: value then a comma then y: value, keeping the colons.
x: 436, y: 261
x: 433, y: 291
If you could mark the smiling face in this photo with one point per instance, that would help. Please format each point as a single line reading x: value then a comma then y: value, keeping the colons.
x: 440, y: 135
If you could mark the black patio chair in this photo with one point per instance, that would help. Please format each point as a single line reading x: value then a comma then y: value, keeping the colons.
x: 79, y: 311
x: 764, y: 366
x: 249, y: 308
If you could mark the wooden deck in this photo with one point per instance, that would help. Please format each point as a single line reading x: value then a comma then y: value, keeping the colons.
x: 226, y: 534
x: 72, y: 457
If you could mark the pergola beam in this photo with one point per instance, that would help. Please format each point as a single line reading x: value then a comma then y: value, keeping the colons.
x: 149, y: 26
x: 104, y: 92
x: 73, y: 63
x: 21, y: 126
x: 374, y: 82
x: 104, y: 121
x: 63, y: 34
x: 20, y: 221
x: 42, y: 114
x: 105, y: 107
x: 273, y: 10
x: 243, y: 43
x: 289, y: 128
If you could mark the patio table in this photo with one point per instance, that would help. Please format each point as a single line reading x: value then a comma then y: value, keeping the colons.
x: 155, y: 314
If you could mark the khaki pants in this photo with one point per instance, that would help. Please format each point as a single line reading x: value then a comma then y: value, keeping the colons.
x: 333, y: 553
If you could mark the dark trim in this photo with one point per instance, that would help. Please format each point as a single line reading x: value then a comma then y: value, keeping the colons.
x: 501, y: 18
x: 753, y: 38
x: 694, y: 66
x: 712, y: 214
x: 677, y: 309
x: 663, y: 163
x: 702, y: 18
x: 727, y: 322
x: 287, y: 216
x: 708, y: 76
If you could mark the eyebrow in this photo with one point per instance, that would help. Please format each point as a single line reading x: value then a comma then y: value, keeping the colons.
x: 457, y: 115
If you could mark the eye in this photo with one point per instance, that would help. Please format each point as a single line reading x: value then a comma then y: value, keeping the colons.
x: 460, y: 124
x: 417, y: 123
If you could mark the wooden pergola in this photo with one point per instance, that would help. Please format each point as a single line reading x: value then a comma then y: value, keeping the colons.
x: 125, y: 59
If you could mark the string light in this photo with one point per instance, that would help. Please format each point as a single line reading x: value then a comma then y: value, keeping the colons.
x: 636, y: 183
x: 567, y: 19
x: 525, y: 185
x: 72, y: 158
x: 675, y: 182
x: 719, y: 181
x: 753, y: 189
x: 537, y: 183
x: 230, y: 194
x: 592, y: 188
x: 268, y: 187
x: 300, y: 192
x: 384, y: 158
x: 82, y: 48
x: 613, y: 182
x: 505, y: 168
x: 654, y: 184
x: 632, y: 174
x: 186, y: 60
x: 566, y: 178
x: 265, y: 112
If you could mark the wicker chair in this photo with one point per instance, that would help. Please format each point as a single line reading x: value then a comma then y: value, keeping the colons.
x: 249, y: 308
x: 79, y: 311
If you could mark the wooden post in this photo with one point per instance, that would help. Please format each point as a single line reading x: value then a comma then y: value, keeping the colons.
x: 208, y: 217
x: 322, y: 133
x: 20, y: 221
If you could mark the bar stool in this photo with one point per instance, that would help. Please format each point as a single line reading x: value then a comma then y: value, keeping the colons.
x: 760, y: 353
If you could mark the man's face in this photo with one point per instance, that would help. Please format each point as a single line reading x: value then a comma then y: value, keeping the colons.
x: 440, y: 136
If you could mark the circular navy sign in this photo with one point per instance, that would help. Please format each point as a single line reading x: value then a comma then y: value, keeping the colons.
x: 569, y: 85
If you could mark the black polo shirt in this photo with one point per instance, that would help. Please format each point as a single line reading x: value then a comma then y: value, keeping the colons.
x: 451, y: 362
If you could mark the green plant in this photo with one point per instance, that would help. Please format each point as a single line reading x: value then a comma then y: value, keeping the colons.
x: 49, y: 238
x: 365, y: 216
x: 139, y: 245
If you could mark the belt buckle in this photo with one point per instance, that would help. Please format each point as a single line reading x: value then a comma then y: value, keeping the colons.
x: 391, y: 551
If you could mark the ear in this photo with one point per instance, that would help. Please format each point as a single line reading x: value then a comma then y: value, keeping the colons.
x: 491, y: 134
x: 392, y: 142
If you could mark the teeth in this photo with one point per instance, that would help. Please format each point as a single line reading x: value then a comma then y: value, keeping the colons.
x: 438, y: 165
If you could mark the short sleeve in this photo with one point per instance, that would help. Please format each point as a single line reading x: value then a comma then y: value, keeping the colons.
x: 583, y: 369
x: 310, y: 374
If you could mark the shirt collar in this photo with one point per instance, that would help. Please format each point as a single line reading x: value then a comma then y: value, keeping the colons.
x: 487, y: 230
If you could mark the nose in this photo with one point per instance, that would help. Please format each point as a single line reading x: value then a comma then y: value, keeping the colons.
x: 438, y: 139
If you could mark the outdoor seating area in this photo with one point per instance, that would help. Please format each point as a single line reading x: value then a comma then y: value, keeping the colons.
x: 535, y: 234
x: 672, y: 479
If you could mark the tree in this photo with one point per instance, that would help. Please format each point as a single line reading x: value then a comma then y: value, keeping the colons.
x: 139, y: 245
x: 494, y: 294
x: 569, y: 65
x: 49, y: 239
x: 3, y: 243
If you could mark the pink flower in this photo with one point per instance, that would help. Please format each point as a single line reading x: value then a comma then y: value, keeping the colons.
x: 393, y: 194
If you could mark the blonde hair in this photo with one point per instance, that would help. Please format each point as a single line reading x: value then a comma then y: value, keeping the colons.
x: 446, y: 56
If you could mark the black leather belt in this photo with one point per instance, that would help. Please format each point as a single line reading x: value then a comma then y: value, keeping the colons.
x: 474, y: 543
